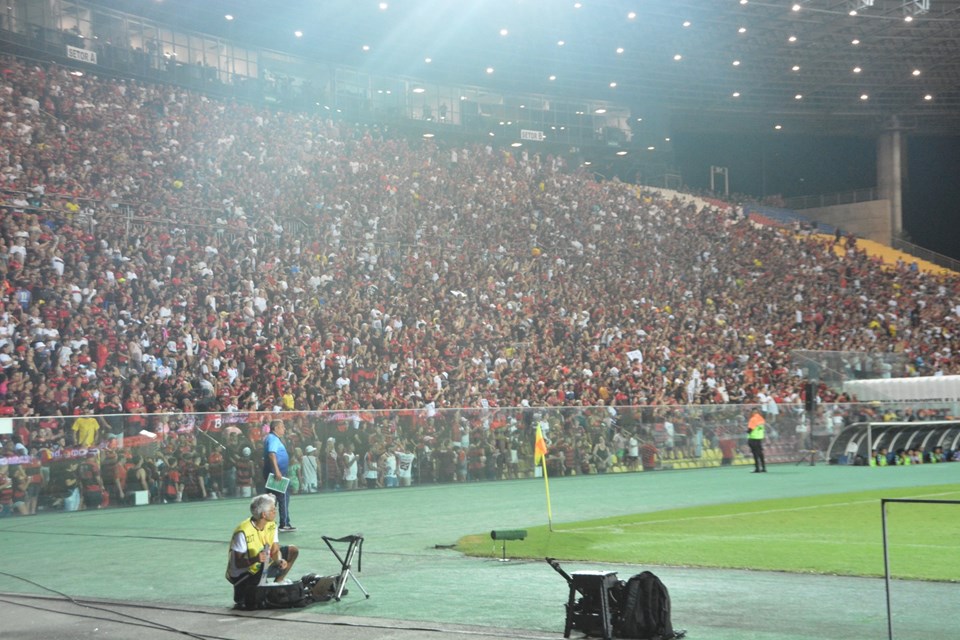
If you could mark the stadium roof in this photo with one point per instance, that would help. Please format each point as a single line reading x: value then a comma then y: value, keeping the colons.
x: 717, y: 65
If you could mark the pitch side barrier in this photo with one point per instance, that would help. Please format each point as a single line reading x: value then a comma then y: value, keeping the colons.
x: 140, y: 459
x: 862, y: 439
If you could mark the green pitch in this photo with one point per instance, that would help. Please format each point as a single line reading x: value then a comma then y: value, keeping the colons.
x: 837, y: 534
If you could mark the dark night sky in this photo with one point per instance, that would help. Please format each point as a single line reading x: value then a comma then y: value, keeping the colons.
x: 793, y: 165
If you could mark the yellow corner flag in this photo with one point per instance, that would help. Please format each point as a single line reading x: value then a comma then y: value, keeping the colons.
x: 540, y: 458
x: 539, y: 447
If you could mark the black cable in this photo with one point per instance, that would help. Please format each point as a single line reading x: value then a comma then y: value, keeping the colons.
x: 140, y: 622
x: 146, y: 623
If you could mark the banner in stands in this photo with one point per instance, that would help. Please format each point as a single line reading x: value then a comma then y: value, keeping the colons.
x: 75, y: 53
x: 925, y: 388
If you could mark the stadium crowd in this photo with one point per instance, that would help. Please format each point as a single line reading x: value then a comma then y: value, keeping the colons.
x: 165, y: 253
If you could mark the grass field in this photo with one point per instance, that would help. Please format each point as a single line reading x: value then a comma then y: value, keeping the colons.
x: 837, y: 534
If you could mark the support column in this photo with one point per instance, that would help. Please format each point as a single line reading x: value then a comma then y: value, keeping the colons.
x: 890, y: 173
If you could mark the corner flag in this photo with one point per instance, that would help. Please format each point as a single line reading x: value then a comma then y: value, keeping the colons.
x: 539, y: 447
x: 540, y: 458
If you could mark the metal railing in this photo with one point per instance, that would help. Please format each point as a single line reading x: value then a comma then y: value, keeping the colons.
x: 925, y: 254
x: 831, y: 199
x: 76, y: 462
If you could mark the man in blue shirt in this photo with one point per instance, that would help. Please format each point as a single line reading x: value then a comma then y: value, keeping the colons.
x: 276, y: 461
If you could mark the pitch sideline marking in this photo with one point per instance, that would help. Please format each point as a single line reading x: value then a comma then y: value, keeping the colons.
x: 620, y: 528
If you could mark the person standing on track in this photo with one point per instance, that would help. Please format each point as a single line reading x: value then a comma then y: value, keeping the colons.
x: 755, y: 433
x: 276, y: 460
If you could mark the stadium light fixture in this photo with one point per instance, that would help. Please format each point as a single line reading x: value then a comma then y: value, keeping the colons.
x: 856, y: 6
x: 914, y: 8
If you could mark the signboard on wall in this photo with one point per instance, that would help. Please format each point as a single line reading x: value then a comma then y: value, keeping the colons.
x: 82, y: 55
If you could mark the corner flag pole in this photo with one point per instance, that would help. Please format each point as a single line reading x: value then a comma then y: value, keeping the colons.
x: 546, y: 484
x: 540, y: 456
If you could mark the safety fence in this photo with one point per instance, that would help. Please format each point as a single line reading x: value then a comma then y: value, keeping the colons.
x: 96, y: 461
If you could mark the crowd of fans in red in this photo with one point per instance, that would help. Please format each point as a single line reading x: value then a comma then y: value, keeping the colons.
x: 161, y: 251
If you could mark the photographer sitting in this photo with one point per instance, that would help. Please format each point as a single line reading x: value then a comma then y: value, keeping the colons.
x: 256, y: 541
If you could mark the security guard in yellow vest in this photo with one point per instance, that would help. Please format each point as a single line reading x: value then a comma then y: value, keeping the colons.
x: 755, y: 433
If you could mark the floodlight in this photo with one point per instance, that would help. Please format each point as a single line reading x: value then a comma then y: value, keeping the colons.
x: 914, y: 8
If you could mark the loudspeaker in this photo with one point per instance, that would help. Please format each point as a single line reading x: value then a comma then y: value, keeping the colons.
x: 509, y: 534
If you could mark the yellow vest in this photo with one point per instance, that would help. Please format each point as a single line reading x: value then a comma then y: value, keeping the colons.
x: 756, y: 426
x: 256, y: 540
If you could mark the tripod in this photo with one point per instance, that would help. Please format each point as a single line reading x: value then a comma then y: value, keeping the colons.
x: 354, y: 546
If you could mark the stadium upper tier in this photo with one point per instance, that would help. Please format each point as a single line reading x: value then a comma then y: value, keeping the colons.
x: 165, y: 250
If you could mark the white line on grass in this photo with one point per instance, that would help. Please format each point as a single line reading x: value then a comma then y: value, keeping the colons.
x: 618, y: 528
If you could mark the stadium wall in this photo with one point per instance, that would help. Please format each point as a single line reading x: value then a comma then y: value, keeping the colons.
x: 870, y: 220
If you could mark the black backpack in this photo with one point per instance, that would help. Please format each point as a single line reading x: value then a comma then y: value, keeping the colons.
x: 288, y: 595
x: 645, y: 609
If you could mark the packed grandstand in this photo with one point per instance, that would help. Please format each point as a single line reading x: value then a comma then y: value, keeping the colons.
x: 167, y: 256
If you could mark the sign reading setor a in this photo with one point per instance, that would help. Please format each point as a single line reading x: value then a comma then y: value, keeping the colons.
x: 76, y: 53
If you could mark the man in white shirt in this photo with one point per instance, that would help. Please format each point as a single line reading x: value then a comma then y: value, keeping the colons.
x: 254, y: 543
x: 405, y: 466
